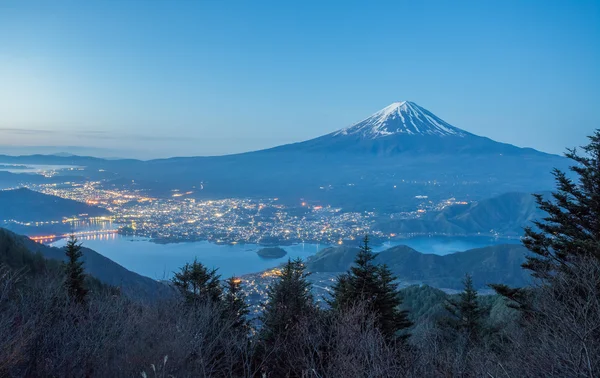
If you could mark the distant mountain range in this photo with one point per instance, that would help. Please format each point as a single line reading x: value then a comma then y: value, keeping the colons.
x: 24, y: 205
x: 494, y: 264
x: 381, y: 162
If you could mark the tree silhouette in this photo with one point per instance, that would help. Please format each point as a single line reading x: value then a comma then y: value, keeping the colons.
x: 234, y: 303
x: 196, y: 283
x: 373, y: 284
x: 75, y: 275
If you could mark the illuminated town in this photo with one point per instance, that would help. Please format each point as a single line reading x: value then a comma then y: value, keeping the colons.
x: 181, y: 217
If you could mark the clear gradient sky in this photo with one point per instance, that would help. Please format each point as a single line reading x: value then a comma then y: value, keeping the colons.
x: 163, y: 78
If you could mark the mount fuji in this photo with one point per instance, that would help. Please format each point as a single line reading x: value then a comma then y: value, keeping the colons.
x: 404, y: 127
x: 401, y: 118
x: 397, y: 154
x: 385, y: 160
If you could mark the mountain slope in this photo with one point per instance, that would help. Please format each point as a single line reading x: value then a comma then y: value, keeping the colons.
x: 494, y: 264
x: 96, y: 265
x: 405, y: 127
x: 402, y: 118
x: 26, y: 205
x: 506, y: 214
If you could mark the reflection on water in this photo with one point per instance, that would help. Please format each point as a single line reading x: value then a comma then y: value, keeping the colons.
x: 91, y: 224
x: 83, y: 229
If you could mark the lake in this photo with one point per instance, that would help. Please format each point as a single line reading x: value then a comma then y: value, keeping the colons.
x: 159, y: 261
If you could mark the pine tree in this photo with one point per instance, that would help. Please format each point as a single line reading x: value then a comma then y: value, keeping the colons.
x: 388, y: 303
x: 288, y: 301
x: 75, y: 275
x: 360, y: 282
x: 234, y: 304
x: 571, y: 229
x: 465, y: 313
x: 373, y: 285
x: 196, y: 283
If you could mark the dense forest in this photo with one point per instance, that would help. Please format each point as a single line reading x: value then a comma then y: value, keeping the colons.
x: 57, y: 321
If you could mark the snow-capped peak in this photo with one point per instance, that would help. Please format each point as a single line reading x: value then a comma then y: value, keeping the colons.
x: 402, y: 118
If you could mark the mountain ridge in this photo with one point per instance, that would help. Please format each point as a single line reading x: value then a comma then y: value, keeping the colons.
x: 506, y: 215
x: 492, y: 264
x: 25, y: 205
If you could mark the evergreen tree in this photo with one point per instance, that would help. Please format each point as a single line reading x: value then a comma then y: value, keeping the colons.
x: 288, y: 301
x: 196, y: 283
x: 360, y: 283
x: 75, y: 275
x: 571, y: 229
x: 234, y: 303
x: 372, y: 284
x: 465, y: 313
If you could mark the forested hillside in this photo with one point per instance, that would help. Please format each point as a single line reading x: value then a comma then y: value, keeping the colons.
x: 26, y: 205
x: 500, y: 263
x: 506, y: 214
x: 96, y: 265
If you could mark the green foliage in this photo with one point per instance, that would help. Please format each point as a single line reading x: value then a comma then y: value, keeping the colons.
x: 75, y: 274
x: 197, y: 284
x: 423, y: 303
x: 466, y: 314
x: 16, y: 256
x: 288, y: 301
x: 372, y: 284
x: 235, y: 308
x: 498, y: 263
x: 572, y: 228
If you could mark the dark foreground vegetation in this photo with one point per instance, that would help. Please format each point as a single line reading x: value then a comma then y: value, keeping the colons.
x: 56, y: 321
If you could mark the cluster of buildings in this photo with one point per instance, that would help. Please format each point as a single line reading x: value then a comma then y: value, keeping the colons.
x: 182, y: 217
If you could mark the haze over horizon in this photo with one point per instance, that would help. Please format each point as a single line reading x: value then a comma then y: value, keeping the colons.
x: 152, y: 80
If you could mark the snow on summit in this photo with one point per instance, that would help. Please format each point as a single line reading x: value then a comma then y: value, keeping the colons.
x: 405, y: 118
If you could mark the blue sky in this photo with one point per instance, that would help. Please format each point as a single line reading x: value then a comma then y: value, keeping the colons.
x: 163, y: 78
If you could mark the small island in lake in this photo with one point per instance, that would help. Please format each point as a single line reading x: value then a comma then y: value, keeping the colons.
x: 271, y: 252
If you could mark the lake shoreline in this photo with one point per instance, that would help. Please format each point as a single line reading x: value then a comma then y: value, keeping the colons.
x: 139, y: 254
x: 373, y: 241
